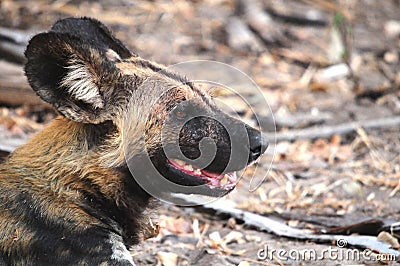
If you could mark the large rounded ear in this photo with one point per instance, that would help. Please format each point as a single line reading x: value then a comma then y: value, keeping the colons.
x: 74, y: 70
x: 93, y: 32
x: 61, y: 70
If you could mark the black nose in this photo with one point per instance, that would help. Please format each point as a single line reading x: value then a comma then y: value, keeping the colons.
x: 258, y: 145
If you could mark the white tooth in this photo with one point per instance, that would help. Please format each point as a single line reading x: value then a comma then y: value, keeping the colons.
x: 224, y: 180
x: 179, y: 162
x: 232, y: 177
x: 188, y: 167
x: 197, y: 172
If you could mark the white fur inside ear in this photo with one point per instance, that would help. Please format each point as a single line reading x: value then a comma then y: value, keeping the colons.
x: 113, y: 56
x: 79, y: 83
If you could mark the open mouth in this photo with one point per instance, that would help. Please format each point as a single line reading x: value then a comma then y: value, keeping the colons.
x: 225, y: 181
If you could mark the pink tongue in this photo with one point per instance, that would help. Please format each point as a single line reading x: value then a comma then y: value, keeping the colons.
x: 210, y: 174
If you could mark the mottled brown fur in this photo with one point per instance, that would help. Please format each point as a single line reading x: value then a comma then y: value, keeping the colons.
x: 73, y: 174
x: 68, y: 196
x: 58, y: 167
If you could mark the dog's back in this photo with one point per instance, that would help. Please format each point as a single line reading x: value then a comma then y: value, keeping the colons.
x: 58, y: 206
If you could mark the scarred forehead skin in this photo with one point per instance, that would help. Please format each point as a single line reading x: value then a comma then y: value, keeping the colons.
x: 150, y: 71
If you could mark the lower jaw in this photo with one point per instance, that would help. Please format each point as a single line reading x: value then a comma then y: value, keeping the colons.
x: 176, y: 182
x: 224, y: 181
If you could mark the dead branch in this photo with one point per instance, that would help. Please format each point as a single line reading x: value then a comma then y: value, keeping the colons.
x: 14, y: 88
x: 328, y: 131
x: 8, y: 145
x: 297, y: 120
x: 271, y: 226
x: 13, y: 43
x: 261, y: 22
x: 16, y: 36
x: 241, y: 38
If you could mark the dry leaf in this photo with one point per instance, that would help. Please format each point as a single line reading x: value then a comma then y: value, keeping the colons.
x: 215, y: 239
x: 389, y: 239
x: 174, y: 225
x: 234, y: 236
x: 231, y: 223
x: 167, y: 258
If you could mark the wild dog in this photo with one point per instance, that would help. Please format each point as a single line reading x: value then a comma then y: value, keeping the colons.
x: 68, y: 197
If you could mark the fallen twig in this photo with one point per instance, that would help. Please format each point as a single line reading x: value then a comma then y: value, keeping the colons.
x: 13, y: 43
x: 277, y: 228
x: 297, y: 120
x: 10, y: 144
x: 262, y: 23
x: 269, y: 225
x: 14, y: 87
x: 240, y: 37
x: 328, y: 131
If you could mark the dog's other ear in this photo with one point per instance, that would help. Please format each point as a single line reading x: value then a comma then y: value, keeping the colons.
x: 74, y: 71
x: 93, y: 32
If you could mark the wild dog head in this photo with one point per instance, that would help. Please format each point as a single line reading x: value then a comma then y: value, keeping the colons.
x: 159, y: 124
